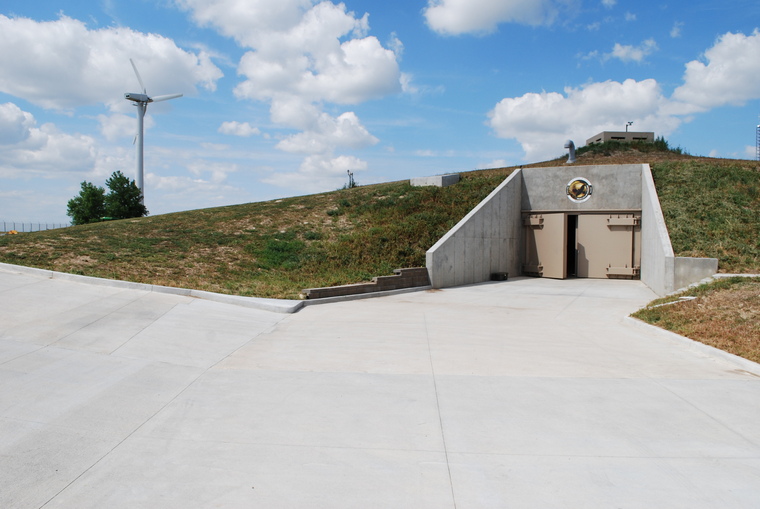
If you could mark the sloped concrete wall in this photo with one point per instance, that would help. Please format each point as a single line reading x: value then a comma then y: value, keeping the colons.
x: 657, y: 258
x: 661, y: 270
x: 485, y: 241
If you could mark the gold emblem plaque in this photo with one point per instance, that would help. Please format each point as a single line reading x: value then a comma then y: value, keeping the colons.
x: 579, y: 190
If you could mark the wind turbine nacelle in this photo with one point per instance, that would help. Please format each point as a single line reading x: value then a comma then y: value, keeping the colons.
x: 138, y: 98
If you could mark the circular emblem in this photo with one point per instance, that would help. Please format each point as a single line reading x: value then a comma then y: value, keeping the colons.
x: 579, y: 190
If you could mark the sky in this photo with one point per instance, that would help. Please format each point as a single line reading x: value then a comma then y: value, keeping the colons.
x: 285, y: 97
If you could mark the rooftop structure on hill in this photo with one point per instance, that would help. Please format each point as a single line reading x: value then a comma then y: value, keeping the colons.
x: 623, y: 136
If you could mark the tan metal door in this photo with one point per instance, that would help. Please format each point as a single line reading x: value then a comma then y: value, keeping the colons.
x: 608, y: 246
x: 545, y: 245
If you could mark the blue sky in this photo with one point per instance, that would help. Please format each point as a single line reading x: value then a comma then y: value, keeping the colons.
x: 283, y: 97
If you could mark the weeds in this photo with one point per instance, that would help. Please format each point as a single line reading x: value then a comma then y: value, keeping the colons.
x: 277, y: 248
x: 268, y: 249
x: 725, y: 314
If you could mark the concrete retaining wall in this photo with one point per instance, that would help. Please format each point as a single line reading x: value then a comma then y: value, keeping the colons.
x: 690, y: 270
x: 485, y: 241
x: 402, y: 278
x: 657, y: 258
x: 661, y: 270
x: 438, y: 180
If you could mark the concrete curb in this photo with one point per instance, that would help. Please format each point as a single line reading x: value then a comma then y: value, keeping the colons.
x: 370, y: 295
x: 742, y: 363
x: 274, y: 305
x: 710, y: 279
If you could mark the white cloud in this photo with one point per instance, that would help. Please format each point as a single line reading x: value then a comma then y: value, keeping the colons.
x: 319, y: 172
x: 454, y: 17
x: 247, y: 21
x: 344, y: 131
x: 178, y: 191
x: 730, y: 75
x: 629, y: 16
x: 242, y: 129
x: 118, y: 125
x: 637, y: 54
x: 675, y: 32
x: 542, y: 122
x: 15, y: 124
x: 625, y: 53
x: 62, y: 64
x: 309, y: 62
x: 28, y: 149
x: 609, y: 4
x: 496, y: 163
x: 217, y: 171
x: 303, y: 54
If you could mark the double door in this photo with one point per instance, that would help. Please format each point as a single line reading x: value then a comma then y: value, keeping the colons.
x: 594, y: 245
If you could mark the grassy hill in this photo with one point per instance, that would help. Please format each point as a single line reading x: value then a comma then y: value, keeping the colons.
x: 277, y: 248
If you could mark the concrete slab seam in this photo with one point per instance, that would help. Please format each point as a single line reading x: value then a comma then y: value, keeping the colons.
x: 124, y: 439
x: 744, y: 364
x: 438, y: 408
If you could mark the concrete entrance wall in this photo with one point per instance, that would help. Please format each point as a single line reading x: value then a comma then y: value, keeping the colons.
x: 489, y: 238
x: 485, y: 241
x: 661, y: 270
x: 615, y: 187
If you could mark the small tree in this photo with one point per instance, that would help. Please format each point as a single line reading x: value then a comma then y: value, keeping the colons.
x: 89, y: 206
x: 124, y: 199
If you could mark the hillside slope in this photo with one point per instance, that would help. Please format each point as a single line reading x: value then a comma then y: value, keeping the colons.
x: 277, y: 248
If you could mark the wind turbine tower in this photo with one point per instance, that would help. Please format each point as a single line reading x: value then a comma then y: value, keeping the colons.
x: 141, y: 101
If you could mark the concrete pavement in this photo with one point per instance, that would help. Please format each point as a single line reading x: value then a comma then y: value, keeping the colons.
x: 524, y: 393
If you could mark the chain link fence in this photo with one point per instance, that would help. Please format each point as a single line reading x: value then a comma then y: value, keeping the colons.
x: 24, y: 227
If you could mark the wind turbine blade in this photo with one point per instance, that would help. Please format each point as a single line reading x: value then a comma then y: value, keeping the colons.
x: 145, y: 91
x: 165, y: 97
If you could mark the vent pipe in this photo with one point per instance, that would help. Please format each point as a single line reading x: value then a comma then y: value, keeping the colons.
x: 571, y: 147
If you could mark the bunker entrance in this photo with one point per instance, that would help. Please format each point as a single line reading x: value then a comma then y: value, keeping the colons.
x: 589, y: 245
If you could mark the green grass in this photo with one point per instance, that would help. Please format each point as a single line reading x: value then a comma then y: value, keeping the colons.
x: 712, y: 210
x: 268, y: 249
x: 278, y: 248
x: 724, y: 314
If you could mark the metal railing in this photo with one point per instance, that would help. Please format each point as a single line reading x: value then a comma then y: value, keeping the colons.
x: 24, y: 227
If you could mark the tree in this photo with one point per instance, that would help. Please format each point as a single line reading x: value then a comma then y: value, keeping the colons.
x: 89, y: 206
x: 124, y: 199
x: 93, y: 204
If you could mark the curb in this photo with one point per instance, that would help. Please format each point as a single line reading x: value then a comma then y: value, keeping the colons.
x: 369, y: 295
x: 273, y: 305
x: 744, y: 364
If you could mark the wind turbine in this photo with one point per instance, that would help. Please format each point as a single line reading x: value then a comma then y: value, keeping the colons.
x: 141, y: 101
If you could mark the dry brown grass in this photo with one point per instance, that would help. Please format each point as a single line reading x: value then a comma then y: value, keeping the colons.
x: 725, y: 315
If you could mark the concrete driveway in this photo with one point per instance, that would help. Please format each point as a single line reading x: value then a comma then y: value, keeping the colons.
x: 526, y: 393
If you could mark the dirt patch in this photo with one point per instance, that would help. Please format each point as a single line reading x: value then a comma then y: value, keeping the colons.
x: 733, y: 324
x: 723, y: 315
